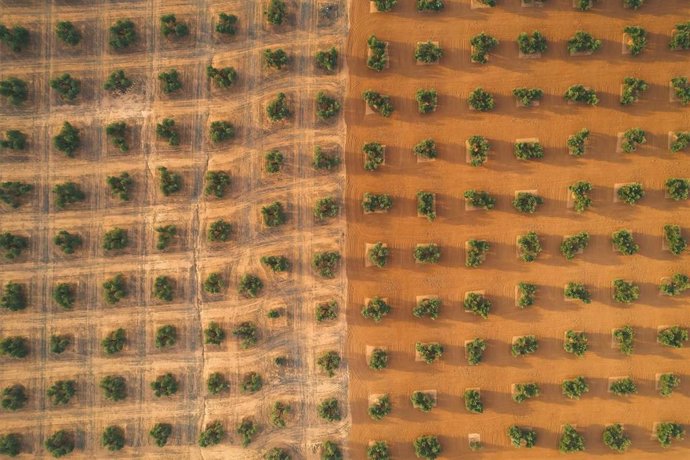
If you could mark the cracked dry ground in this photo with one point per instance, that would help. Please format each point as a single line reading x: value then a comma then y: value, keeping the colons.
x: 190, y: 259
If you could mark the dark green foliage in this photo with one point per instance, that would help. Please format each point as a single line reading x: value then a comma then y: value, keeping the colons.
x: 329, y: 410
x: 572, y: 245
x: 577, y: 142
x: 329, y: 362
x: 250, y: 286
x: 115, y: 289
x: 527, y: 293
x: 674, y: 239
x: 276, y: 12
x: 571, y: 440
x: 326, y: 208
x: 13, y: 296
x: 525, y: 345
x: 624, y: 243
x: 14, y: 140
x: 15, y: 90
x: 327, y: 311
x: 623, y: 386
x: 528, y: 151
x: 163, y: 288
x: 375, y: 309
x: 59, y: 343
x: 430, y: 5
x: 216, y: 183
x: 476, y: 253
x: 323, y: 161
x: 171, y: 28
x: 14, y: 397
x: 482, y: 45
x: 378, y: 450
x: 378, y: 102
x: 275, y: 59
x: 11, y: 444
x: 122, y: 34
x: 213, y: 284
x: 624, y: 338
x: 66, y: 32
x: 427, y: 100
x: 530, y: 44
x: 113, y: 438
x: 117, y: 82
x: 681, y: 37
x: 673, y: 336
x: 67, y: 87
x: 12, y: 192
x: 577, y: 291
x: 630, y: 193
x: 474, y: 350
x: 60, y: 443
x: 632, y: 138
x: 278, y: 109
x: 667, y: 383
x: 121, y: 185
x: 329, y: 449
x: 583, y: 42
x: 247, y: 333
x: 481, y: 100
x: 16, y: 38
x: 117, y: 132
x: 676, y: 285
x: 62, y: 391
x: 327, y: 60
x: 428, y: 307
x: 574, y: 388
x: 385, y: 5
x: 634, y: 4
x: 227, y: 24
x: 681, y: 88
x: 67, y: 140
x: 426, y: 149
x: 169, y: 182
x: 164, y: 385
x: 114, y: 342
x: 632, y: 89
x: 251, y: 382
x: 668, y: 431
x: 378, y: 254
x: 678, y: 189
x: 66, y: 241
x: 378, y: 59
x: 160, y: 433
x: 246, y: 429
x: 115, y: 239
x: 637, y: 36
x: 373, y: 202
x: 67, y: 193
x: 219, y: 231
x: 524, y: 391
x: 429, y: 352
x: 212, y: 435
x: 426, y: 446
x: 325, y: 263
x: 529, y: 246
x: 625, y: 291
x: 378, y: 359
x: 166, y: 130
x: 380, y: 408
x: 223, y: 78
x: 170, y: 81
x: 221, y: 131
x: 582, y: 94
x: 276, y: 263
x: 584, y: 5
x: 214, y: 334
x: 273, y: 214
x: 423, y: 401
x: 528, y: 96
x: 522, y: 437
x: 12, y: 245
x: 216, y: 383
x: 427, y: 253
x: 166, y: 336
x: 273, y: 161
x: 473, y: 401
x: 527, y: 202
x: 114, y: 387
x: 428, y: 52
x: 326, y: 106
x: 575, y: 342
x: 14, y: 347
x: 426, y: 205
x: 580, y: 193
x: 478, y: 148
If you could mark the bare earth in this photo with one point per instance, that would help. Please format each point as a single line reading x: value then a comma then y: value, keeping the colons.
x: 449, y: 176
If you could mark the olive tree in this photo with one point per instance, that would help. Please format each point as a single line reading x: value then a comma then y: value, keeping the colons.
x: 13, y: 245
x: 527, y: 202
x: 171, y: 28
x: 427, y: 100
x: 528, y: 150
x: 577, y: 142
x: 624, y: 243
x: 160, y: 432
x: 577, y: 291
x: 625, y: 291
x: 427, y: 447
x: 13, y: 297
x: 571, y: 440
x: 170, y: 81
x: 60, y: 443
x: 678, y: 283
x: 14, y: 140
x: 212, y: 434
x: 681, y: 89
x: 632, y: 89
x: 576, y: 343
x: 379, y: 103
x: 529, y: 246
x: 527, y: 97
x: 524, y: 345
x: 61, y: 392
x: 481, y: 100
x: 533, y: 44
x: 378, y: 359
x: 482, y: 44
x: 16, y: 38
x: 636, y: 38
x: 67, y: 33
x: 326, y: 263
x: 376, y: 309
x: 574, y: 388
x: 574, y: 244
x: 476, y: 253
x: 14, y: 397
x: 426, y: 205
x: 429, y: 352
x: 524, y: 391
x: 10, y: 444
x: 67, y: 193
x: 67, y: 87
x: 227, y: 24
x: 115, y: 289
x: 428, y: 307
x: 474, y: 350
x: 478, y: 147
x: 378, y: 59
x: 527, y: 294
x: 15, y: 90
x: 166, y: 336
x: 276, y: 12
x: 327, y: 60
x: 67, y: 140
x: 615, y: 438
x: 680, y: 40
x: 583, y: 42
x: 217, y: 383
x: 480, y: 199
x: 278, y: 109
x: 164, y: 385
x: 114, y: 341
x: 250, y: 286
x: 581, y: 94
x: 624, y: 337
x: 522, y: 437
x: 666, y: 432
x: 117, y: 82
x: 114, y: 387
x: 632, y: 138
x: 167, y: 130
x: 329, y: 410
x: 580, y: 193
x: 381, y: 407
x: 247, y: 333
x: 674, y: 239
x: 424, y: 401
x: 673, y: 336
x: 123, y: 34
x: 378, y: 450
x: 275, y: 59
x: 428, y: 52
x: 329, y: 362
x: 667, y: 383
x: 478, y: 304
x: 473, y: 401
x: 678, y: 189
x: 378, y: 254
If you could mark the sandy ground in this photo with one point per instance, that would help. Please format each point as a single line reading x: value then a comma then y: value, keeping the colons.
x: 450, y: 176
x: 191, y: 258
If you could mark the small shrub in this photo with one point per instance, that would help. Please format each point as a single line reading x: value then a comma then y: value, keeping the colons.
x: 531, y: 44
x: 329, y: 362
x: 327, y: 311
x: 220, y: 131
x: 574, y: 244
x: 428, y: 52
x: 13, y: 245
x: 326, y: 208
x: 576, y: 343
x: 166, y: 130
x: 624, y: 242
x: 59, y: 343
x: 668, y: 383
x: 15, y: 90
x: 114, y: 342
x: 114, y: 387
x: 376, y: 309
x: 674, y: 239
x: 247, y: 333
x: 477, y: 304
x: 583, y: 42
x: 14, y: 398
x: 378, y: 102
x: 325, y: 263
x: 632, y: 138
x: 250, y: 286
x: 169, y: 182
x: 275, y: 59
x: 378, y: 359
x: 525, y: 345
x: 524, y: 391
x: 67, y: 140
x: 274, y: 161
x: 527, y: 293
x: 571, y: 440
x: 577, y: 291
x: 673, y: 337
x: 475, y: 350
x: 624, y: 337
x: 577, y: 142
x: 423, y: 401
x: 327, y: 107
x: 170, y: 28
x: 166, y: 336
x: 67, y: 87
x: 678, y: 189
x: 680, y: 40
x: 426, y: 205
x: 227, y: 24
x: 473, y: 402
x: 214, y: 334
x: 13, y: 296
x: 580, y: 193
x: 482, y: 45
x: 329, y: 410
x: 376, y: 203
x: 278, y: 108
x: 574, y: 388
x: 623, y: 386
x: 60, y: 443
x: 115, y: 289
x: 529, y: 246
x: 62, y: 391
x: 251, y: 382
x: 160, y: 432
x: 581, y: 94
x: 16, y: 38
x: 625, y: 292
x: 681, y: 88
x: 213, y: 434
x: 117, y: 82
x: 528, y: 151
x: 216, y: 383
x: 323, y: 161
x: 67, y: 33
x: 14, y: 140
x: 380, y: 408
x: 14, y: 347
x: 164, y: 385
x: 528, y: 96
x: 170, y: 81
x: 246, y: 429
x: 481, y: 100
x: 122, y: 34
x: 429, y: 352
x: 632, y: 89
x: 115, y: 239
x: 427, y: 253
x: 527, y: 202
x: 67, y: 194
x: 522, y: 437
x: 327, y: 60
x: 429, y: 307
x: 378, y: 254
x: 276, y: 12
x: 668, y: 431
x: 676, y: 285
x: 476, y: 253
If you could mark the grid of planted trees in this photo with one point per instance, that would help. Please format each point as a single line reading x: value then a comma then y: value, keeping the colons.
x: 170, y: 195
x: 519, y: 183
